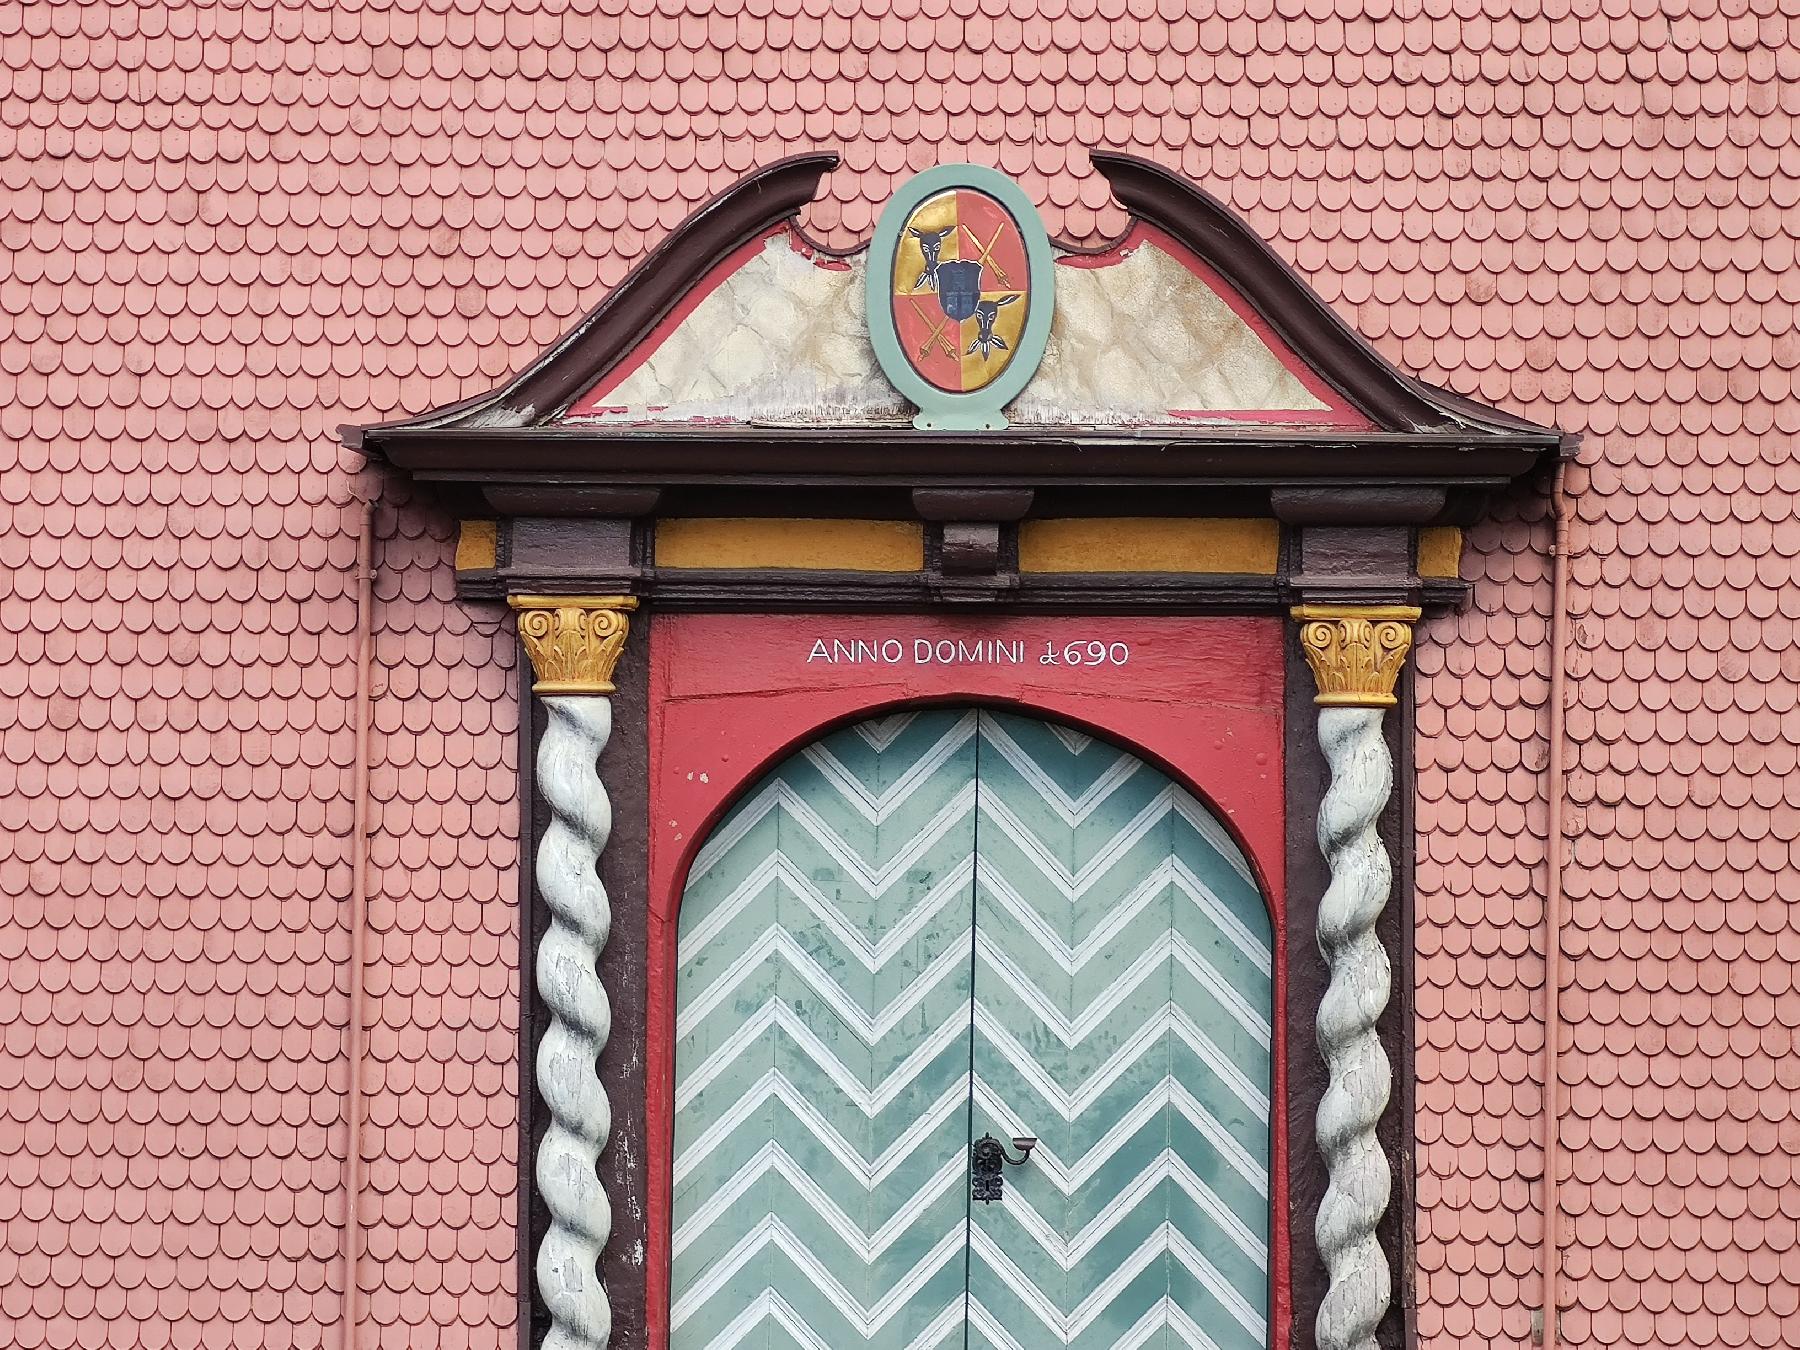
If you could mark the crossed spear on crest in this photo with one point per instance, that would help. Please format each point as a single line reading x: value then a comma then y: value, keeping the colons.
x: 986, y: 252
x: 936, y: 337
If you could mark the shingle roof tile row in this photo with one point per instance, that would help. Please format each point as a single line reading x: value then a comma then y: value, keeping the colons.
x: 227, y: 229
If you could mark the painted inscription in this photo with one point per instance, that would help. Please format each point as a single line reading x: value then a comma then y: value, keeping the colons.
x: 918, y: 651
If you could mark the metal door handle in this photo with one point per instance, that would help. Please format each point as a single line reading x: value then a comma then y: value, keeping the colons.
x: 987, y: 1156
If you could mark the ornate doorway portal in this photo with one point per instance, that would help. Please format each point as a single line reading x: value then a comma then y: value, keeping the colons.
x: 949, y: 928
x: 1158, y: 489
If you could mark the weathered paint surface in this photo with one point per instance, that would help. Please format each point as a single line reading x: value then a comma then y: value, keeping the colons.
x: 821, y: 545
x: 822, y: 1058
x: 1124, y: 995
x: 1149, y: 544
x: 931, y: 927
x: 1144, y: 333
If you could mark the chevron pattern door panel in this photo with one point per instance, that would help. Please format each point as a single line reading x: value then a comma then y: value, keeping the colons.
x: 822, y: 1058
x: 939, y: 925
x: 1122, y: 1006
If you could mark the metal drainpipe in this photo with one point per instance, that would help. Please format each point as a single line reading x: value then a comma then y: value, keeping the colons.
x: 359, y: 878
x: 1553, y: 899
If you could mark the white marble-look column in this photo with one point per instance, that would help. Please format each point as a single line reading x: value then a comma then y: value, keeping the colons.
x: 1356, y: 653
x: 574, y: 643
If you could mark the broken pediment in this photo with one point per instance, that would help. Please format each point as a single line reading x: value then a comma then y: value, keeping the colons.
x: 1143, y: 335
x: 1186, y: 358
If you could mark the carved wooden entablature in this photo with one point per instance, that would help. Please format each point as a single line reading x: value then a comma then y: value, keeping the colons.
x: 1190, y: 375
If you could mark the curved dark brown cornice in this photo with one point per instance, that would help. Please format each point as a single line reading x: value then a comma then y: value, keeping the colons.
x: 641, y: 301
x: 1430, y: 456
x: 1393, y: 400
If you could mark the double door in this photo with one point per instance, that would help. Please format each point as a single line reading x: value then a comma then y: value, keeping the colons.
x: 918, y: 943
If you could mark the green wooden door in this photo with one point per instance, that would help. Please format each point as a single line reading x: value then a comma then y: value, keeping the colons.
x: 940, y: 925
x: 823, y: 1024
x: 1122, y: 997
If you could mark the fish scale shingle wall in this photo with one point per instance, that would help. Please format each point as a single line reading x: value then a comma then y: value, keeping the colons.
x: 226, y: 228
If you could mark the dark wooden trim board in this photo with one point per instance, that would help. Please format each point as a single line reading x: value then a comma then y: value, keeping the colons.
x: 635, y: 306
x: 531, y: 1216
x: 1293, y: 309
x: 625, y: 768
x: 863, y: 593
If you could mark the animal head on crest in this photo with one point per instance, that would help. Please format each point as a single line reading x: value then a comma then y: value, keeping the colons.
x: 986, y: 340
x: 931, y: 244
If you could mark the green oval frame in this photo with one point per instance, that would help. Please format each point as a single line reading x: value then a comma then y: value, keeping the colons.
x: 981, y: 409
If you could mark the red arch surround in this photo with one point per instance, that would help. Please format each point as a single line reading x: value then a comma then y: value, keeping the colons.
x: 732, y: 695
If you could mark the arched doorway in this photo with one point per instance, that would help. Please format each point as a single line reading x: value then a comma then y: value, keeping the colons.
x: 940, y: 926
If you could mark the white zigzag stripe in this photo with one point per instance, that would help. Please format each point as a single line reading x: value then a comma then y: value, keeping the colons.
x: 1163, y: 1315
x: 1189, y: 1329
x: 953, y: 885
x: 772, y: 1307
x: 1073, y: 810
x: 1250, y: 944
x: 980, y: 1319
x: 776, y: 1086
x: 768, y: 1306
x: 772, y: 1232
x: 1169, y: 1094
x: 1166, y: 1242
x: 781, y: 793
x: 1207, y: 826
x: 881, y: 732
x: 779, y: 942
x: 1076, y: 883
x: 773, y: 1159
x: 954, y: 1317
x: 1167, y: 1167
x: 876, y: 806
x: 1070, y: 1105
x: 1169, y: 872
x: 870, y: 1100
x: 1171, y: 946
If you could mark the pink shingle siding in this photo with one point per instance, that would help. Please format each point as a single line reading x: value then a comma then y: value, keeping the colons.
x: 225, y: 229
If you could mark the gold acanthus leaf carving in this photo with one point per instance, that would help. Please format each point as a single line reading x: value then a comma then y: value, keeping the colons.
x: 1355, y: 651
x: 574, y: 641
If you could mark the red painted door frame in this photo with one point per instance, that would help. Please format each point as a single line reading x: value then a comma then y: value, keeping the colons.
x: 733, y: 695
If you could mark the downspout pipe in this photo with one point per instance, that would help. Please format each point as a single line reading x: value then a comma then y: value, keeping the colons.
x: 358, y: 921
x: 1556, y: 789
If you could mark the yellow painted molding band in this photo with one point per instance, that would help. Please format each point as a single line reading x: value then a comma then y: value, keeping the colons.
x: 1440, y: 551
x: 792, y: 545
x: 477, y: 545
x: 1150, y: 544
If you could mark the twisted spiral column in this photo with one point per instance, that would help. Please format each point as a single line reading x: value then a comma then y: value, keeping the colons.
x: 1355, y: 654
x: 574, y: 643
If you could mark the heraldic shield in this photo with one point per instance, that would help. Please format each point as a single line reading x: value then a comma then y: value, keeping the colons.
x: 961, y: 289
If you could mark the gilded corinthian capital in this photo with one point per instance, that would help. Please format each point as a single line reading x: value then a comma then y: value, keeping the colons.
x: 574, y: 641
x: 1355, y: 651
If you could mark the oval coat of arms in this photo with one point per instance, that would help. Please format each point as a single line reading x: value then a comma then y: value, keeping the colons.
x: 960, y: 293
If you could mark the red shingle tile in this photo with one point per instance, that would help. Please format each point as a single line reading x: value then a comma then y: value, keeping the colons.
x: 228, y: 230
